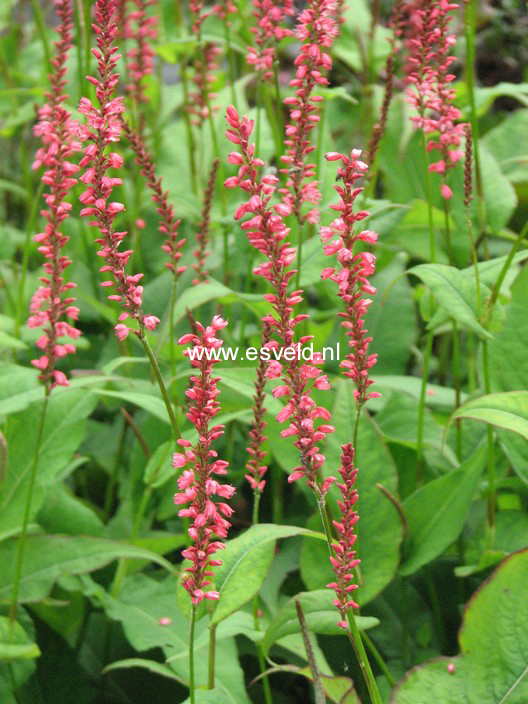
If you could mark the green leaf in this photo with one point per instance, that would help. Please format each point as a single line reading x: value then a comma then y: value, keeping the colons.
x: 436, y: 513
x: 47, y: 557
x: 159, y: 468
x: 143, y: 602
x: 157, y: 668
x: 508, y: 364
x: 62, y: 512
x: 63, y: 432
x: 148, y: 402
x: 456, y: 293
x: 504, y: 410
x: 508, y: 142
x: 492, y: 667
x: 245, y: 564
x: 320, y: 613
x: 388, y: 313
x: 19, y: 646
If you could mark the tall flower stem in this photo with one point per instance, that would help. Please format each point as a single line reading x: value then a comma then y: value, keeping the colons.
x: 421, y: 408
x: 456, y: 373
x: 161, y: 384
x: 353, y: 633
x: 429, y: 342
x: 230, y: 60
x: 25, y: 518
x: 212, y: 653
x: 30, y: 227
x: 492, y: 490
x: 497, y: 285
x: 41, y: 27
x: 192, y: 693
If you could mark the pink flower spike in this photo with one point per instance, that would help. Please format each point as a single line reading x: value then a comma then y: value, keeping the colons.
x: 51, y: 302
x: 104, y: 127
x: 197, y: 485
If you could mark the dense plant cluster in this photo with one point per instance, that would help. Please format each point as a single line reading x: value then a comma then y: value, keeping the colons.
x: 275, y: 448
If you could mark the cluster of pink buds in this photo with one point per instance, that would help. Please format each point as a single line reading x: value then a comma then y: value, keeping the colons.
x: 203, y: 78
x: 224, y: 9
x: 198, y: 16
x: 429, y: 44
x: 344, y: 559
x: 141, y: 28
x: 51, y: 301
x: 257, y: 470
x: 316, y: 28
x: 103, y: 129
x: 353, y: 272
x: 168, y: 224
x: 269, y: 31
x: 267, y: 232
x: 202, y: 234
x: 197, y: 485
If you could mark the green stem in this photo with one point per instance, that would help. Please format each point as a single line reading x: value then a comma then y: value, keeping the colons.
x: 278, y: 133
x: 448, y: 231
x: 361, y: 655
x: 110, y: 487
x: 492, y: 490
x: 121, y: 571
x: 429, y: 196
x: 319, y: 161
x: 25, y: 519
x: 192, y: 693
x: 277, y: 494
x: 497, y: 286
x: 25, y: 257
x: 377, y: 657
x: 41, y: 27
x: 212, y: 653
x: 191, y: 146
x: 436, y: 608
x: 81, y: 70
x: 279, y: 113
x: 457, y: 378
x: 161, y: 384
x: 172, y: 346
x: 353, y: 632
x: 87, y: 8
x: 296, y: 235
x: 421, y: 409
x: 230, y: 61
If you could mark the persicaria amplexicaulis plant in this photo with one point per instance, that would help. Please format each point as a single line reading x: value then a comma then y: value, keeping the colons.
x: 197, y: 484
x: 269, y: 30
